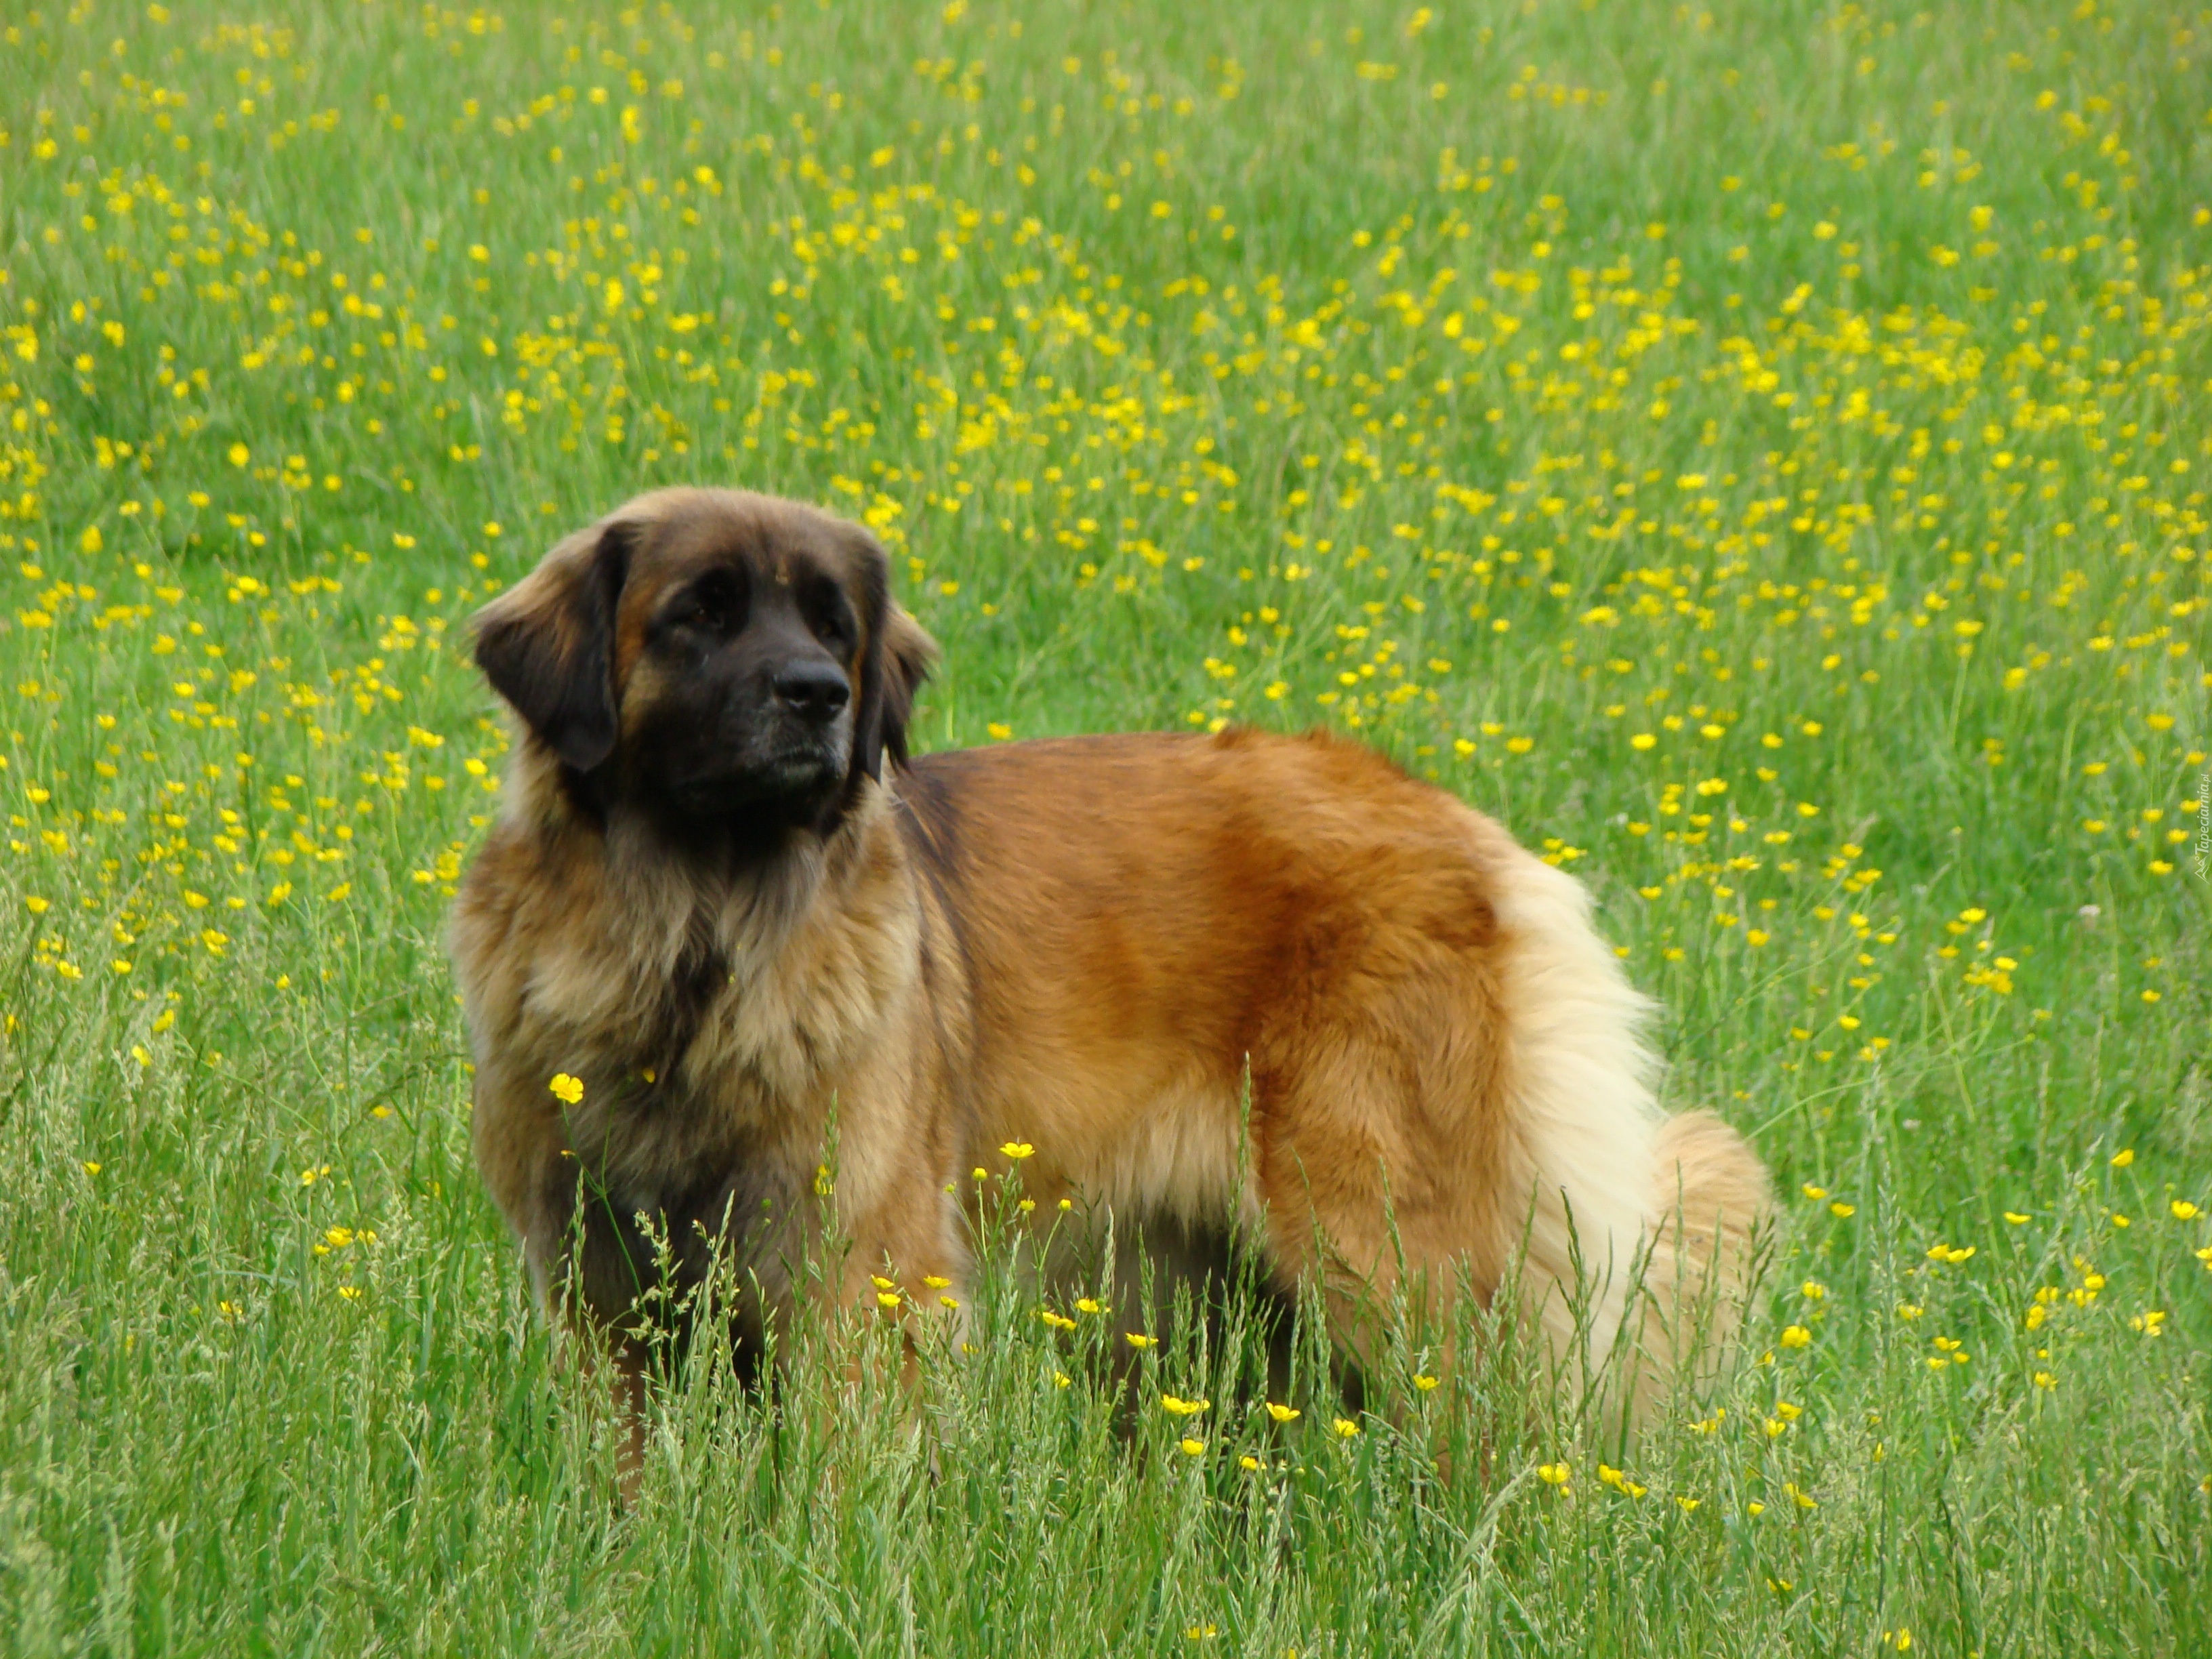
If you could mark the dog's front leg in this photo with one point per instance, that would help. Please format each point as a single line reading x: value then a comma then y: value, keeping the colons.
x: 615, y: 1369
x: 593, y: 1273
x: 908, y: 1267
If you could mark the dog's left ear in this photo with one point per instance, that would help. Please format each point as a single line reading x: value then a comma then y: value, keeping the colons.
x: 908, y: 653
x: 547, y: 645
x: 898, y: 659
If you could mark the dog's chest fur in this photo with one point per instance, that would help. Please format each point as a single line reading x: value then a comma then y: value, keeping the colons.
x: 712, y: 1017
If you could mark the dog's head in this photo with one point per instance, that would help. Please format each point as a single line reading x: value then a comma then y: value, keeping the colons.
x: 721, y: 660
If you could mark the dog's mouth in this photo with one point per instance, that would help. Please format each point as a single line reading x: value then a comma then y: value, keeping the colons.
x: 797, y: 774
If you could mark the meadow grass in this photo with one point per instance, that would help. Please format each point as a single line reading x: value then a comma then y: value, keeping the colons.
x: 1757, y: 452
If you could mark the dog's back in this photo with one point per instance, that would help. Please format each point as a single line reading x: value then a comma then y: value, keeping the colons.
x: 1442, y: 1058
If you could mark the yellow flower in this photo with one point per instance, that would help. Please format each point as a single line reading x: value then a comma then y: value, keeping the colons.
x: 1134, y: 1339
x: 2016, y: 1218
x: 1554, y: 1474
x: 1282, y: 1413
x: 1345, y: 1427
x: 1247, y: 1462
x: 2124, y: 1157
x: 1056, y: 1320
x: 1182, y: 1408
x: 1017, y: 1150
x: 92, y: 1166
x: 1795, y: 1336
x: 567, y: 1089
x: 1425, y: 1383
x: 2184, y: 1210
x: 1191, y: 1448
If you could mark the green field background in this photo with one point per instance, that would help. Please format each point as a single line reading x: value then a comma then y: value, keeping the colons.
x: 1759, y: 453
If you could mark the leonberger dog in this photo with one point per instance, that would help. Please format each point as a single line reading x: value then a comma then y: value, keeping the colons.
x: 1203, y: 981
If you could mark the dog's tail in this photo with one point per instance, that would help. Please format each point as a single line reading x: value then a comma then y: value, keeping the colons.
x: 1639, y: 1240
x: 1710, y: 1196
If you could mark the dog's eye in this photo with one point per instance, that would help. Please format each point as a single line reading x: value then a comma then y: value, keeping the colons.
x: 827, y: 612
x: 715, y: 604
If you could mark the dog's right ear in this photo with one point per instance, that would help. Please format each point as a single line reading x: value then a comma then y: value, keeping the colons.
x: 548, y: 645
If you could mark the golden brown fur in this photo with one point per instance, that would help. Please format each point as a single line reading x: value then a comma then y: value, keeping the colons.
x: 1087, y: 945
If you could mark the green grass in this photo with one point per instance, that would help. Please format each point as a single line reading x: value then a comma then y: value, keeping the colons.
x: 1760, y: 454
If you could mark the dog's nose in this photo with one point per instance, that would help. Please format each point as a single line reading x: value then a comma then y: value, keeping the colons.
x: 812, y: 690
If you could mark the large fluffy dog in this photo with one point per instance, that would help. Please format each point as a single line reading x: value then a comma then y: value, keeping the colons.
x: 1207, y: 979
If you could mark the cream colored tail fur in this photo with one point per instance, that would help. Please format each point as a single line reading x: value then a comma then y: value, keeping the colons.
x: 1641, y: 1210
